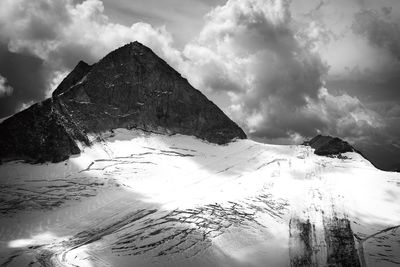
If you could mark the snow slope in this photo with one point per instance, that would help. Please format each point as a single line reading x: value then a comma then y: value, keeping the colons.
x: 140, y: 199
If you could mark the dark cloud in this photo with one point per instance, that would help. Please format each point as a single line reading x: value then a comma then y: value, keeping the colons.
x: 26, y: 74
x: 379, y: 32
x: 387, y: 10
x: 367, y: 89
x: 378, y: 82
x: 383, y: 147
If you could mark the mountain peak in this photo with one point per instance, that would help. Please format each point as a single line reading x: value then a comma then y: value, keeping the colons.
x: 72, y: 78
x: 328, y: 145
x: 131, y: 87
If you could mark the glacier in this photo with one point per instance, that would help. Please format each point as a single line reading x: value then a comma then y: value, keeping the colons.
x: 136, y: 198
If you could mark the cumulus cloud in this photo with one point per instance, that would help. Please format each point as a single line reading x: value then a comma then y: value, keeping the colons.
x: 272, y: 72
x: 345, y: 116
x: 62, y: 33
x: 5, y: 89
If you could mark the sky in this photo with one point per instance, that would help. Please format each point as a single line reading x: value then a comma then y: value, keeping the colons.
x: 283, y: 70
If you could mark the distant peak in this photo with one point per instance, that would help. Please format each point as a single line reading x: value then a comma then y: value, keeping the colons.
x: 136, y: 43
x: 80, y: 70
x: 134, y: 55
x: 328, y: 145
x: 134, y: 46
x: 82, y: 63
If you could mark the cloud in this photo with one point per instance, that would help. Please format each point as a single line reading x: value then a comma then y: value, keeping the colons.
x: 367, y: 60
x: 391, y: 112
x: 62, y: 33
x: 378, y: 30
x: 254, y: 51
x: 345, y: 116
x: 5, y: 89
x: 26, y: 74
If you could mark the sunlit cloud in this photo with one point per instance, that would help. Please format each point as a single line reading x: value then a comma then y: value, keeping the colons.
x: 5, y: 89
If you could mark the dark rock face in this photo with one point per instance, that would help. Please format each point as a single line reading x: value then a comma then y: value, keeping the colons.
x: 129, y: 88
x: 40, y: 133
x: 300, y: 242
x: 306, y: 250
x: 76, y: 75
x: 327, y: 145
x: 341, y: 249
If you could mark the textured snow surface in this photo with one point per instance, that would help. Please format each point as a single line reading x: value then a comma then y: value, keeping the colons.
x: 139, y: 199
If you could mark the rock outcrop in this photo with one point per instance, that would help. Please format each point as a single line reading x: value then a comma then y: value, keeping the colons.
x: 73, y: 78
x: 328, y: 145
x: 129, y: 88
x: 40, y: 133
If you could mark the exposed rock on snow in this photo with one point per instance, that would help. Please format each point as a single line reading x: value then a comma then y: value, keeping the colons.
x: 328, y: 145
x: 129, y: 88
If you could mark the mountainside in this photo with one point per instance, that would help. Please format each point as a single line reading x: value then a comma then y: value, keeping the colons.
x: 129, y: 88
x: 384, y: 157
x: 143, y: 199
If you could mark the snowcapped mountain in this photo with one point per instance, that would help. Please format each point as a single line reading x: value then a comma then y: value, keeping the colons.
x: 141, y: 177
x: 130, y: 87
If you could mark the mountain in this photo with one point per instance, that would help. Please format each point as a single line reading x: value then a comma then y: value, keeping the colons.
x: 334, y: 146
x: 148, y: 184
x: 328, y: 145
x: 130, y: 88
x: 72, y: 78
x: 382, y: 154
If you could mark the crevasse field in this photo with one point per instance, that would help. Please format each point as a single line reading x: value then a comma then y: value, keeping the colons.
x: 140, y: 199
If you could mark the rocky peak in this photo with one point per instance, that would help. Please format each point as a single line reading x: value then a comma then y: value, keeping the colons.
x: 328, y: 145
x: 130, y: 87
x: 72, y: 78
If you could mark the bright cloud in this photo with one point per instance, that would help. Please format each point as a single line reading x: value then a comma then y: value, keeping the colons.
x: 5, y: 89
x: 62, y: 33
